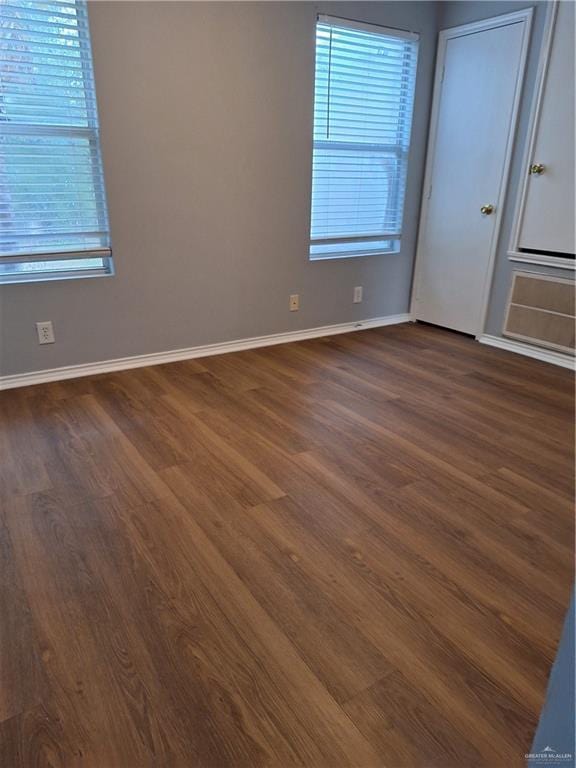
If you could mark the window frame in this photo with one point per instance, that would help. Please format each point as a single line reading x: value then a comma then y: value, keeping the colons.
x: 391, y: 242
x: 91, y: 133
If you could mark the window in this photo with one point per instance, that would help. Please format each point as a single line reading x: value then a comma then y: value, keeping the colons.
x: 53, y: 220
x: 364, y: 94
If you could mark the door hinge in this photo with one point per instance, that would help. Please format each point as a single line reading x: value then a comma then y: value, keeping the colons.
x: 429, y: 195
x: 443, y: 73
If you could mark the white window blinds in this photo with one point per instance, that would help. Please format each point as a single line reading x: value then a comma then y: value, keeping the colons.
x: 52, y: 204
x: 364, y: 93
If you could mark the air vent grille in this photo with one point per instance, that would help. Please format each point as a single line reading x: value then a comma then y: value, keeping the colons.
x: 541, y: 311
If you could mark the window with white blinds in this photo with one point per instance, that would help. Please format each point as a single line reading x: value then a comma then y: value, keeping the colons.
x: 53, y: 215
x: 364, y: 95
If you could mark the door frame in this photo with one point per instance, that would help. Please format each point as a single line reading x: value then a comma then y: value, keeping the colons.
x: 514, y: 252
x: 525, y: 18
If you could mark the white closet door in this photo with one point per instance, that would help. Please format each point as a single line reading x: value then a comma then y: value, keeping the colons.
x: 548, y: 219
x: 482, y: 75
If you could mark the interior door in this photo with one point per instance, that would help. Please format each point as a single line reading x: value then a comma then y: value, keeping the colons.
x: 548, y: 217
x: 476, y: 111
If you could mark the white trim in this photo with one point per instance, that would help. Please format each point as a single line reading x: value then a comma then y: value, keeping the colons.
x: 524, y: 17
x: 514, y: 254
x: 538, y: 353
x: 375, y: 29
x: 541, y: 276
x: 482, y: 25
x: 158, y: 358
x: 558, y: 262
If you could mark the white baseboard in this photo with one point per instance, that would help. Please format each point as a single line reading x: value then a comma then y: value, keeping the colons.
x: 539, y: 353
x: 140, y: 361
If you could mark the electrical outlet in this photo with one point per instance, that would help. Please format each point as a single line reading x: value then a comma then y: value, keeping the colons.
x: 45, y: 332
x: 357, y: 294
x: 294, y: 302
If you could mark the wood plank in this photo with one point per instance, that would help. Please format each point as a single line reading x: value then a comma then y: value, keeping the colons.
x: 22, y: 679
x: 409, y: 730
x: 340, y: 656
x: 350, y: 551
x: 400, y: 630
x: 270, y: 689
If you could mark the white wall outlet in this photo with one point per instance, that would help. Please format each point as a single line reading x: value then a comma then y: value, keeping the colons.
x: 45, y: 332
x: 294, y: 302
x: 357, y: 294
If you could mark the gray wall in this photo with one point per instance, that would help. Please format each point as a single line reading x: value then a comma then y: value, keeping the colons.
x: 206, y: 118
x: 452, y: 14
x: 556, y: 724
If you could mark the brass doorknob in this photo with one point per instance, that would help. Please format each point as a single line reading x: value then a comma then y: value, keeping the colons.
x: 486, y: 210
x: 537, y: 169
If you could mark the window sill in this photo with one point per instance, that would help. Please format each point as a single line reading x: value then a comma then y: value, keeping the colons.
x: 51, y: 277
x: 339, y: 257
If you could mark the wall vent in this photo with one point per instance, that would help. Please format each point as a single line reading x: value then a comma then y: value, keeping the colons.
x: 541, y: 311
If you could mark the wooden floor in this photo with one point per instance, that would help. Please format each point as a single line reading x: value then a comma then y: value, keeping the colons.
x: 354, y: 551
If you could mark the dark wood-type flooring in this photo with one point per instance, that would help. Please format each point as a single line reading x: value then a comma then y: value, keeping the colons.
x: 351, y: 551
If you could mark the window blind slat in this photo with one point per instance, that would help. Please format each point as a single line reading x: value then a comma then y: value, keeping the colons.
x: 61, y: 60
x: 52, y: 197
x: 364, y: 92
x: 11, y: 11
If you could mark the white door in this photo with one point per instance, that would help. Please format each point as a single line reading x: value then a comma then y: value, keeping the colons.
x: 548, y: 217
x: 475, y: 113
